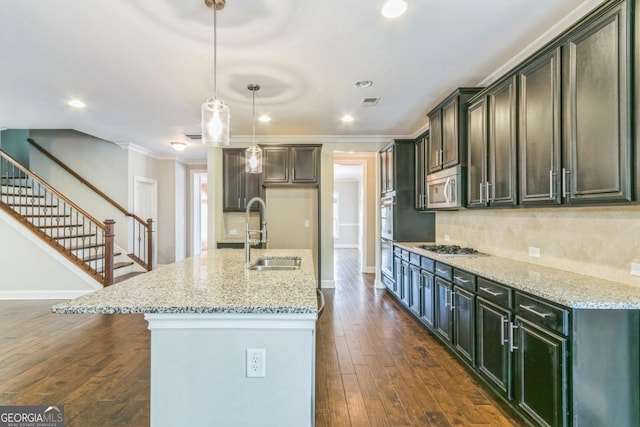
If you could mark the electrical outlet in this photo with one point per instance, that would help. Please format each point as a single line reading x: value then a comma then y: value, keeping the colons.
x: 233, y: 232
x: 635, y: 268
x: 307, y: 223
x: 256, y: 361
x: 447, y: 237
x: 534, y: 252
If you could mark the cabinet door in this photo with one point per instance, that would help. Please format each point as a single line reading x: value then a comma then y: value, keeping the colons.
x: 391, y: 185
x: 304, y: 164
x: 428, y: 306
x: 275, y: 167
x: 541, y: 374
x: 493, y: 359
x: 477, y: 145
x: 384, y: 179
x: 252, y: 186
x: 406, y: 281
x: 464, y: 328
x: 443, y: 309
x: 233, y: 177
x: 435, y: 141
x: 397, y: 271
x: 420, y: 198
x: 414, y: 290
x: 597, y: 163
x: 539, y: 130
x: 450, y: 134
x: 501, y: 173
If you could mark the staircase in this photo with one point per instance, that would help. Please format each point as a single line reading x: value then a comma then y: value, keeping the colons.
x: 84, y: 240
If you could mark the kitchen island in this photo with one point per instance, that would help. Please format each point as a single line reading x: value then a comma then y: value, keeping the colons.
x: 206, y: 315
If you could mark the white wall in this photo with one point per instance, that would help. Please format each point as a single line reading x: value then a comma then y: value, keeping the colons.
x: 31, y: 269
x: 348, y: 193
x: 181, y: 201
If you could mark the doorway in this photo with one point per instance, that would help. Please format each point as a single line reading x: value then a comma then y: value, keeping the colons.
x: 145, y: 205
x: 348, y: 209
x: 199, y: 209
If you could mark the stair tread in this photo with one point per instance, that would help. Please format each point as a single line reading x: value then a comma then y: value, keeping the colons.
x: 73, y: 236
x: 31, y: 205
x: 97, y: 257
x: 47, y: 216
x: 118, y: 265
x: 81, y: 247
x: 61, y: 226
x: 127, y: 276
x: 30, y: 196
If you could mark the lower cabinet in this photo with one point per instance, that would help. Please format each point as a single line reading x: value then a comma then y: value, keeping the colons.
x: 443, y: 290
x: 541, y: 373
x: 494, y: 356
x: 415, y: 290
x: 405, y: 282
x: 464, y: 329
x: 427, y: 314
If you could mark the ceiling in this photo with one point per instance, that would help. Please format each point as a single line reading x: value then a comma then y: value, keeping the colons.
x: 144, y: 67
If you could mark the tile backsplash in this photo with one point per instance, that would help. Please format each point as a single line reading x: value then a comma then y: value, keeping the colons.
x: 596, y: 241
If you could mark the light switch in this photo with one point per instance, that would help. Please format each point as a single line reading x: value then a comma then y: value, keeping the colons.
x: 307, y: 223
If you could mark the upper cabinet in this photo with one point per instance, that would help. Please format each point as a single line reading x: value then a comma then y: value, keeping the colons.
x: 597, y: 116
x: 575, y: 119
x: 492, y: 147
x: 291, y: 164
x: 539, y: 130
x: 387, y: 169
x: 422, y: 164
x: 448, y: 133
x: 238, y: 186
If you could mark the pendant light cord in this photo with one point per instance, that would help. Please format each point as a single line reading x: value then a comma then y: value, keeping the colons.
x: 254, y: 118
x: 215, y: 52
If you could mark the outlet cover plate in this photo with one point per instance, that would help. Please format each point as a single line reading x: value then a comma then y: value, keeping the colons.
x: 256, y: 363
x: 635, y: 268
x: 534, y: 252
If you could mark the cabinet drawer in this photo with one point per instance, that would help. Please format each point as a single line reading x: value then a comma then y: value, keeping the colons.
x: 464, y: 280
x: 542, y: 313
x: 443, y: 270
x: 397, y: 251
x: 388, y: 282
x: 405, y: 255
x: 427, y: 264
x: 414, y: 259
x: 495, y: 292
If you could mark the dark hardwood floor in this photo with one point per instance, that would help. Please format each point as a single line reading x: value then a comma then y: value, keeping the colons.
x: 375, y: 365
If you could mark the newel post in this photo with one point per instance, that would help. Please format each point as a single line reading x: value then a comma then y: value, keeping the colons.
x: 108, y: 251
x: 149, y: 244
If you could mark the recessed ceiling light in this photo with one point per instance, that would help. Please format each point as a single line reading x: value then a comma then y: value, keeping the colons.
x: 361, y: 84
x: 347, y: 118
x: 394, y: 8
x: 264, y: 118
x: 76, y: 103
x: 179, y: 145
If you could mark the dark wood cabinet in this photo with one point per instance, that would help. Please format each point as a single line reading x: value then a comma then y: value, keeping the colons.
x: 427, y: 295
x: 597, y: 117
x: 541, y: 374
x: 405, y: 282
x: 238, y: 186
x: 493, y: 360
x: 421, y: 170
x: 443, y: 318
x: 399, y: 276
x: 387, y: 169
x: 477, y: 146
x: 492, y: 145
x: 415, y: 290
x: 291, y: 164
x: 464, y: 324
x: 539, y: 130
x: 447, y: 144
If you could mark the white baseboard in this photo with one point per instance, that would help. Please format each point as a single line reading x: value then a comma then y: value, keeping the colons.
x: 28, y: 295
x: 380, y: 285
x: 369, y: 269
x: 327, y: 284
x: 345, y: 246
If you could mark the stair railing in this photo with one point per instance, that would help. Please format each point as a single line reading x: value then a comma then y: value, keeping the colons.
x: 141, y: 239
x: 68, y: 228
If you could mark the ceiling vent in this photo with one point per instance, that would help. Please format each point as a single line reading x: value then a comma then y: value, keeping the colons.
x: 194, y: 136
x: 370, y: 101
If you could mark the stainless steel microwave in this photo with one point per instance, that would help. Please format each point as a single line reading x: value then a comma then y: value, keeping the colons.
x: 445, y: 189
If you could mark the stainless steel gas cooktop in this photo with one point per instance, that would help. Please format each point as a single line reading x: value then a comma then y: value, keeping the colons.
x: 452, y: 250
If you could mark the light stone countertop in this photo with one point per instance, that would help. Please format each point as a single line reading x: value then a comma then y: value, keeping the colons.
x: 566, y: 288
x: 214, y: 282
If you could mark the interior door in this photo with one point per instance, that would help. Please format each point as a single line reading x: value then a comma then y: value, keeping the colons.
x: 145, y: 196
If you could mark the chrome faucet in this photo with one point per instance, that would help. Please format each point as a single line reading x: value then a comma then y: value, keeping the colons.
x: 248, y: 241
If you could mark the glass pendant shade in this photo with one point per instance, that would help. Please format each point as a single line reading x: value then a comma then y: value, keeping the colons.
x: 253, y: 160
x: 215, y: 123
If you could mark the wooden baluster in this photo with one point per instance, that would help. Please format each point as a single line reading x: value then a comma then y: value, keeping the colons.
x: 149, y: 243
x: 108, y: 252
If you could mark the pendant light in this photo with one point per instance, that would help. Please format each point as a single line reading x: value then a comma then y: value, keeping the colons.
x: 253, y: 155
x: 215, y: 113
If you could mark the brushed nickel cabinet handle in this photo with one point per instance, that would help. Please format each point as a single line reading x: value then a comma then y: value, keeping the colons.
x: 512, y: 328
x: 487, y: 290
x: 530, y: 309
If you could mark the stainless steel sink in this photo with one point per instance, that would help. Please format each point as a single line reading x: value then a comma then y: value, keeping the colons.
x: 276, y: 263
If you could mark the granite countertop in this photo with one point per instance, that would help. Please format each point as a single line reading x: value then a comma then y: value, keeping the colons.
x: 214, y: 282
x: 563, y: 287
